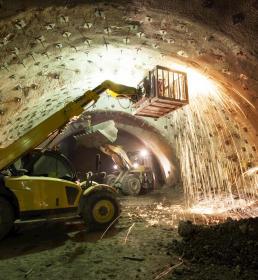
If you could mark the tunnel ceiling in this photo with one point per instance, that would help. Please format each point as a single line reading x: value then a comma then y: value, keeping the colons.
x: 52, y: 51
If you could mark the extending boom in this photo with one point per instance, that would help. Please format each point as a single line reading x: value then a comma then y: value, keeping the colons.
x: 42, y: 131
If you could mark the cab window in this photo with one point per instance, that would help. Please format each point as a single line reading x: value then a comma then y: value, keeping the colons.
x: 51, y: 167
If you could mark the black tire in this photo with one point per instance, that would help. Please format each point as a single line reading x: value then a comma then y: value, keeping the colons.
x: 131, y: 185
x: 100, y: 209
x: 6, y: 217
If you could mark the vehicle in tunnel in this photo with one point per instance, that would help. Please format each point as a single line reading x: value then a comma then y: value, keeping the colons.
x: 132, y: 178
x: 92, y: 159
x: 132, y: 174
x: 23, y: 196
x: 132, y: 182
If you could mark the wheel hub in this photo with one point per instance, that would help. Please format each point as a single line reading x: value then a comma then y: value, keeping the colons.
x: 103, y: 211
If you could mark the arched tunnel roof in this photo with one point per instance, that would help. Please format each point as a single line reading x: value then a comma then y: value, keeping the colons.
x: 150, y: 136
x: 52, y: 51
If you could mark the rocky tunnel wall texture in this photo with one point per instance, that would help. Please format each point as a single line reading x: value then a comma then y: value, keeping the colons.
x: 52, y: 51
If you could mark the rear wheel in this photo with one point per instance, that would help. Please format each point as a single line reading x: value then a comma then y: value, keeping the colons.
x: 131, y: 185
x: 6, y: 217
x: 100, y: 209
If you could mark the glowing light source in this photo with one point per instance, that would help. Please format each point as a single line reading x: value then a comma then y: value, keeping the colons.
x: 115, y: 167
x: 198, y: 83
x: 135, y: 164
x: 219, y: 205
x: 144, y: 153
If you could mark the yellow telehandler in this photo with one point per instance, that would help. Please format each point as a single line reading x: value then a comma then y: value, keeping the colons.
x: 55, y: 190
x: 42, y: 193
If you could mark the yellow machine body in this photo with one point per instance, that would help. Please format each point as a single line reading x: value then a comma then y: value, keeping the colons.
x: 43, y: 193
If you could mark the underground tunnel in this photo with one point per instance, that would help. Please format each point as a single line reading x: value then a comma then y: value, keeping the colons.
x: 129, y: 135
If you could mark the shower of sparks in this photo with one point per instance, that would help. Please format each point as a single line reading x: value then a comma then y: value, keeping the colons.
x: 216, y: 154
x: 220, y: 205
x: 169, y: 214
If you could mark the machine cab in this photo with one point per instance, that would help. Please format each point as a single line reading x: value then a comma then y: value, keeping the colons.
x: 46, y: 163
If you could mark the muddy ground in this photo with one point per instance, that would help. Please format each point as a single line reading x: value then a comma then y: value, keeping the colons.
x: 145, y: 244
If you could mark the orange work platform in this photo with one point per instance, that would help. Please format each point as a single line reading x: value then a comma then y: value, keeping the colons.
x: 164, y: 90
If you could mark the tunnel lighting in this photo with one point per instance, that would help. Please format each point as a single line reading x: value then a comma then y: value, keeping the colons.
x: 144, y: 153
x: 135, y: 164
x: 115, y: 167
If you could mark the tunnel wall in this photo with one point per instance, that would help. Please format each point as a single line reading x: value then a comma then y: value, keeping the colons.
x: 51, y: 52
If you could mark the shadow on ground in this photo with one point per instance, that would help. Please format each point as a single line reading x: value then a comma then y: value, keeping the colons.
x: 37, y: 236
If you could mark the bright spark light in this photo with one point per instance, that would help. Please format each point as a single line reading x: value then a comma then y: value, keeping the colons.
x: 199, y: 131
x: 252, y: 171
x: 218, y: 205
x: 199, y: 84
x: 210, y: 151
x: 135, y: 164
x: 115, y: 167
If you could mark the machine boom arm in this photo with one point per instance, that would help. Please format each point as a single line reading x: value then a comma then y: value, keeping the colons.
x: 118, y: 155
x: 59, y: 119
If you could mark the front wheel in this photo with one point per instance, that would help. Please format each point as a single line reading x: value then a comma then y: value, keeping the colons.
x: 100, y: 209
x: 6, y: 217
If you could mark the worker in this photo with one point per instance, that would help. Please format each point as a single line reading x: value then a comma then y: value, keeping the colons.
x: 147, y: 87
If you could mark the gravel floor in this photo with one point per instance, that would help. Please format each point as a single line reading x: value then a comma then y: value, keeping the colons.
x: 139, y: 247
